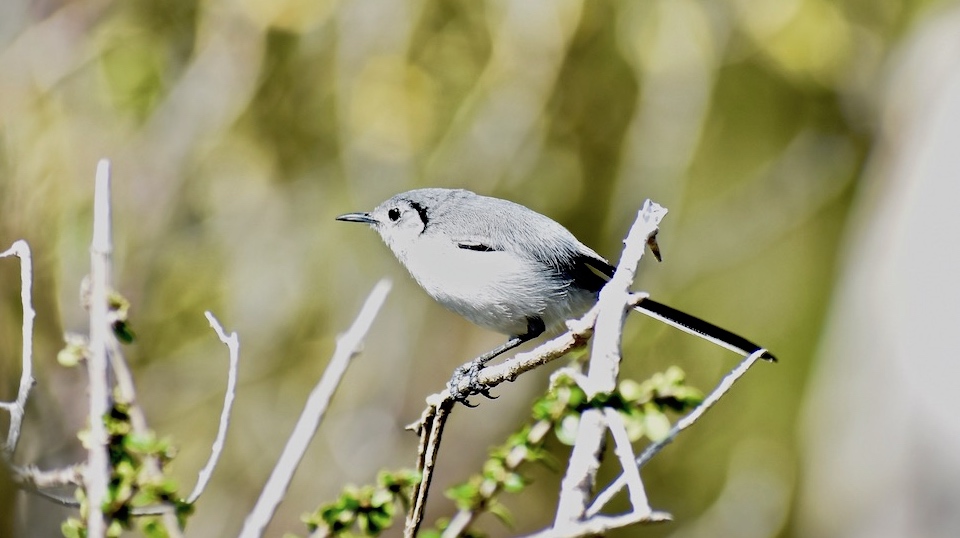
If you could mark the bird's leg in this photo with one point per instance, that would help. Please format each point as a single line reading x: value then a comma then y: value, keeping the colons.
x: 471, y: 370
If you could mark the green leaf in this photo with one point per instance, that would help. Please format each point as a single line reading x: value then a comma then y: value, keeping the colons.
x: 380, y: 519
x: 631, y: 391
x: 152, y: 528
x: 502, y: 513
x: 69, y: 356
x: 514, y: 483
x: 655, y: 423
x: 633, y: 420
x: 495, y: 469
x: 381, y: 497
x: 114, y: 529
x: 143, y: 443
x: 674, y: 376
x: 72, y: 528
x: 465, y: 495
x: 123, y: 332
x: 689, y: 396
x: 566, y: 429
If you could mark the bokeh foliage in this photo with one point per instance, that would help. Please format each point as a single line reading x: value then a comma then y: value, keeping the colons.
x: 239, y: 129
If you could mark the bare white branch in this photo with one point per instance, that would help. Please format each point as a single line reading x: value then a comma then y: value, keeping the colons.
x: 624, y: 451
x: 718, y: 392
x: 578, y: 482
x: 17, y: 407
x: 615, y: 299
x: 233, y: 346
x: 576, y: 487
x: 347, y: 346
x: 435, y: 418
x: 97, y: 468
x: 33, y: 478
x: 599, y: 525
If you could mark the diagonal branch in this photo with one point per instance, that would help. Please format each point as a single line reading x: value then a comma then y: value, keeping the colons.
x: 347, y: 347
x: 631, y: 473
x: 578, y: 482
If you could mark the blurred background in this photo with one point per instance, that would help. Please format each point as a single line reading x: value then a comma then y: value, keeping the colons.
x: 807, y: 151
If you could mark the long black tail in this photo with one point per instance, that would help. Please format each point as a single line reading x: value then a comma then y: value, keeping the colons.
x: 697, y: 327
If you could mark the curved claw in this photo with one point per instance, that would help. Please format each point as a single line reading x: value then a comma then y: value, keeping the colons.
x: 471, y: 371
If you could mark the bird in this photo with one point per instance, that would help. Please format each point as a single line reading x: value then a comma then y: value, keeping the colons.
x: 507, y: 268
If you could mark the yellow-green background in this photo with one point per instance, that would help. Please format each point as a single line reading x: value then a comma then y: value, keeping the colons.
x: 238, y: 130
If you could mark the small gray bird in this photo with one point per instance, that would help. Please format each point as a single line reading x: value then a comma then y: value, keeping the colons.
x: 506, y: 267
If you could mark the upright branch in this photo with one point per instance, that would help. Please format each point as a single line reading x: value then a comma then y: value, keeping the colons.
x: 430, y: 428
x: 17, y: 407
x: 98, y: 466
x: 577, y: 485
x: 348, y: 345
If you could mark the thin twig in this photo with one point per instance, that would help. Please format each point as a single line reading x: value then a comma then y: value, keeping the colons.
x: 431, y: 432
x: 17, y: 407
x: 579, y: 331
x: 654, y: 448
x: 98, y: 466
x: 126, y: 389
x: 32, y: 478
x: 309, y: 421
x: 423, y: 427
x: 233, y: 345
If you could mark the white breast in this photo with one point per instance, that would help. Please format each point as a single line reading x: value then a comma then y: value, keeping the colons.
x: 496, y: 290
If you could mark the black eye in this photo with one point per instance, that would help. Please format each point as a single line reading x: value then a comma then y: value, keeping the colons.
x: 393, y: 214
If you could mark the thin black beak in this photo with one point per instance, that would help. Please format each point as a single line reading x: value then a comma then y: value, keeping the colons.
x: 358, y: 217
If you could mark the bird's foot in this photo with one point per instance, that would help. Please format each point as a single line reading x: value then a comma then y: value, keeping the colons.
x: 460, y: 391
